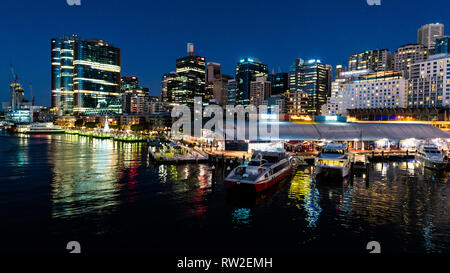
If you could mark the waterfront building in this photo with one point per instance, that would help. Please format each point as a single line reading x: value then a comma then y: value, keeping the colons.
x: 407, y: 55
x: 62, y: 51
x: 96, y: 78
x: 373, y: 60
x: 376, y: 90
x: 260, y: 89
x: 191, y: 69
x: 427, y: 35
x: 308, y: 87
x: 335, y: 102
x: 247, y: 70
x: 429, y: 84
x: 85, y: 76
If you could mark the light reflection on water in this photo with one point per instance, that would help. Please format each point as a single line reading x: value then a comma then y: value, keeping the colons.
x: 99, y: 177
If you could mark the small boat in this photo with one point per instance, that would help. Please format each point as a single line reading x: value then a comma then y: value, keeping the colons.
x: 333, y: 158
x: 264, y: 170
x: 431, y: 156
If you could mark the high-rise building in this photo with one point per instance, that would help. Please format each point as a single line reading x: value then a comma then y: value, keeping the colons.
x: 308, y: 87
x: 96, y: 78
x: 220, y: 89
x: 191, y: 68
x: 371, y: 60
x: 371, y: 91
x: 232, y: 90
x: 166, y: 92
x: 213, y: 72
x: 62, y: 50
x: 429, y: 84
x: 260, y: 89
x: 442, y: 45
x: 407, y: 55
x: 247, y: 70
x: 85, y: 76
x: 427, y: 35
x: 129, y: 83
x: 280, y: 83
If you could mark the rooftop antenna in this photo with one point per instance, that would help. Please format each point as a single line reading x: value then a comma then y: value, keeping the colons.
x: 190, y: 49
x: 15, y: 79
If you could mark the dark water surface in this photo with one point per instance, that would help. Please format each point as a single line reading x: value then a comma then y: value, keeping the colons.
x: 111, y: 198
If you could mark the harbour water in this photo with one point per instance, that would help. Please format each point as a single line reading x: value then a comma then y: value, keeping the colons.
x: 110, y: 197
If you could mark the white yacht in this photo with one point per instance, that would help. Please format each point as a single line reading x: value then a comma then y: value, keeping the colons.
x: 333, y: 157
x: 40, y: 128
x: 431, y: 156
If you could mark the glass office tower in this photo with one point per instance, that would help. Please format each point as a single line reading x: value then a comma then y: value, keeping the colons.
x: 441, y: 46
x: 85, y: 77
x: 247, y: 70
x: 191, y: 69
x: 62, y: 73
x: 96, y: 80
x: 309, y: 85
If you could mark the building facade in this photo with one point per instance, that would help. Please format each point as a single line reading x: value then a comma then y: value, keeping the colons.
x: 373, y: 60
x: 429, y: 84
x: 442, y: 45
x: 260, y: 89
x: 407, y: 55
x: 85, y: 77
x: 308, y: 87
x: 427, y: 35
x: 247, y: 70
x: 190, y: 69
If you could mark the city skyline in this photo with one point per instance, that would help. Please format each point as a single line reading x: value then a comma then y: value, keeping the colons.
x: 160, y: 49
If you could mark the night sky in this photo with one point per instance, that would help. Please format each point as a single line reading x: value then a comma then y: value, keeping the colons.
x: 152, y: 34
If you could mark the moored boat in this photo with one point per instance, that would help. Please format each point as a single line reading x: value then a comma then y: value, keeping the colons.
x: 333, y: 158
x: 431, y: 156
x: 264, y: 170
x: 41, y: 128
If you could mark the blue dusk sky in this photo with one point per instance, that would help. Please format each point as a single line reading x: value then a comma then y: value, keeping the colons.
x: 152, y: 34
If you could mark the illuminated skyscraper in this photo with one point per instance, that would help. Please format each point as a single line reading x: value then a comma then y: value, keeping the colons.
x: 308, y: 87
x: 371, y: 60
x: 85, y: 77
x: 247, y: 70
x: 192, y: 70
x: 62, y: 73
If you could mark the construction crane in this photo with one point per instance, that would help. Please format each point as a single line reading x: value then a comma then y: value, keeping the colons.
x: 15, y: 79
x: 32, y: 95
